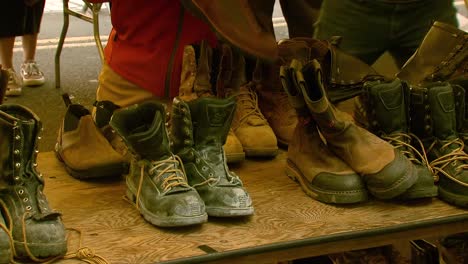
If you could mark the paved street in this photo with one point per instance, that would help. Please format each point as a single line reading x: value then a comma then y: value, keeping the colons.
x: 80, y: 63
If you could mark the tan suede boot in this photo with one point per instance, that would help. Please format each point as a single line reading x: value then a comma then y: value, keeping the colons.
x: 442, y: 56
x: 249, y: 124
x: 78, y: 137
x: 385, y: 170
x: 321, y: 174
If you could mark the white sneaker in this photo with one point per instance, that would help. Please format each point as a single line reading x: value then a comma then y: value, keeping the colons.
x: 14, y: 85
x: 31, y: 74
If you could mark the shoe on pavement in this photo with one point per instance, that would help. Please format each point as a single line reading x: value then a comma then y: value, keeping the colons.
x: 31, y: 74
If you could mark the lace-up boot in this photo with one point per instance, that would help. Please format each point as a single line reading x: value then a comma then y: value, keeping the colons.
x: 5, y: 245
x: 321, y: 174
x: 442, y: 56
x: 461, y: 107
x: 156, y: 183
x: 387, y: 107
x: 37, y: 230
x: 198, y: 131
x: 249, y: 124
x: 434, y: 121
x: 386, y: 171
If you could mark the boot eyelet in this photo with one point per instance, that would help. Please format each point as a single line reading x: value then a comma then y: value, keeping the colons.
x: 21, y: 191
x: 17, y: 137
x: 17, y: 152
x: 18, y: 165
x: 197, y: 160
x: 25, y: 199
x: 34, y: 164
x: 211, y: 174
x: 17, y: 178
x: 28, y: 208
x: 39, y: 137
x: 36, y: 151
x: 204, y: 168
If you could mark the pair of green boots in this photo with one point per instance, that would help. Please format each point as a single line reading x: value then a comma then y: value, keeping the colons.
x: 29, y: 228
x: 181, y: 178
x: 336, y: 161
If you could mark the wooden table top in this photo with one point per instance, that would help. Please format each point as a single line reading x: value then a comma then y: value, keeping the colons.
x: 285, y: 220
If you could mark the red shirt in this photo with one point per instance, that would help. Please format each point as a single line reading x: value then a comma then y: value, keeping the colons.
x: 143, y: 40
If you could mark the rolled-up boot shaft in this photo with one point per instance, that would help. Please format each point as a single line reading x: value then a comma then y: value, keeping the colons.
x: 442, y: 56
x: 199, y: 130
x: 78, y: 136
x: 385, y: 170
x: 156, y: 182
x: 387, y: 105
x: 321, y: 174
x: 22, y: 200
x: 444, y: 147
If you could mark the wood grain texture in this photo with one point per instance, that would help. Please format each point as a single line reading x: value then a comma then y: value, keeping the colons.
x: 283, y: 215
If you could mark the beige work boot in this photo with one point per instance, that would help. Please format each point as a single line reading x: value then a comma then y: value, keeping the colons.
x: 386, y: 171
x: 233, y: 148
x: 249, y: 124
x: 321, y: 174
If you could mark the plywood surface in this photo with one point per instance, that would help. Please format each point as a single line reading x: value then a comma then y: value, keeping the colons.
x: 284, y: 215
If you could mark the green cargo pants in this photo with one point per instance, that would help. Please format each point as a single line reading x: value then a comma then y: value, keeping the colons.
x: 371, y: 27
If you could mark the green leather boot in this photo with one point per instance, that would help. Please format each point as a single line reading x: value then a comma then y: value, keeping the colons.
x: 461, y: 108
x: 434, y: 121
x: 22, y: 201
x: 321, y: 174
x: 156, y: 182
x: 387, y: 104
x: 198, y: 131
x: 5, y: 245
x: 385, y: 170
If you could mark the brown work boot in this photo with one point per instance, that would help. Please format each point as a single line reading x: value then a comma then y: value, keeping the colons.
x: 242, y: 29
x: 442, y: 56
x: 273, y: 102
x: 385, y: 170
x: 321, y: 174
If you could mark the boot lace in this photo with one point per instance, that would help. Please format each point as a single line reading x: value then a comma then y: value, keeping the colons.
x: 402, y: 142
x: 456, y: 158
x: 169, y: 166
x: 248, y: 102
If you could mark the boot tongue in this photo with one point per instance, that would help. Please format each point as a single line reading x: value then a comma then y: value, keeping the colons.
x: 150, y: 140
x: 29, y: 129
x: 388, y: 102
x: 442, y: 105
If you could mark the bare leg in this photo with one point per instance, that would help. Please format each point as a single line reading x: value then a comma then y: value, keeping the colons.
x: 6, y: 52
x: 29, y: 47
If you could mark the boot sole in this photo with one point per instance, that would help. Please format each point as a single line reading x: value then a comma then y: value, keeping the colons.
x: 229, y: 212
x: 267, y: 152
x: 107, y: 171
x: 452, y: 198
x: 166, y: 221
x: 331, y: 197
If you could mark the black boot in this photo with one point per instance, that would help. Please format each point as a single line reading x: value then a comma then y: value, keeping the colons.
x: 156, y: 182
x: 434, y: 121
x: 199, y: 131
x: 387, y: 113
x: 23, y: 203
